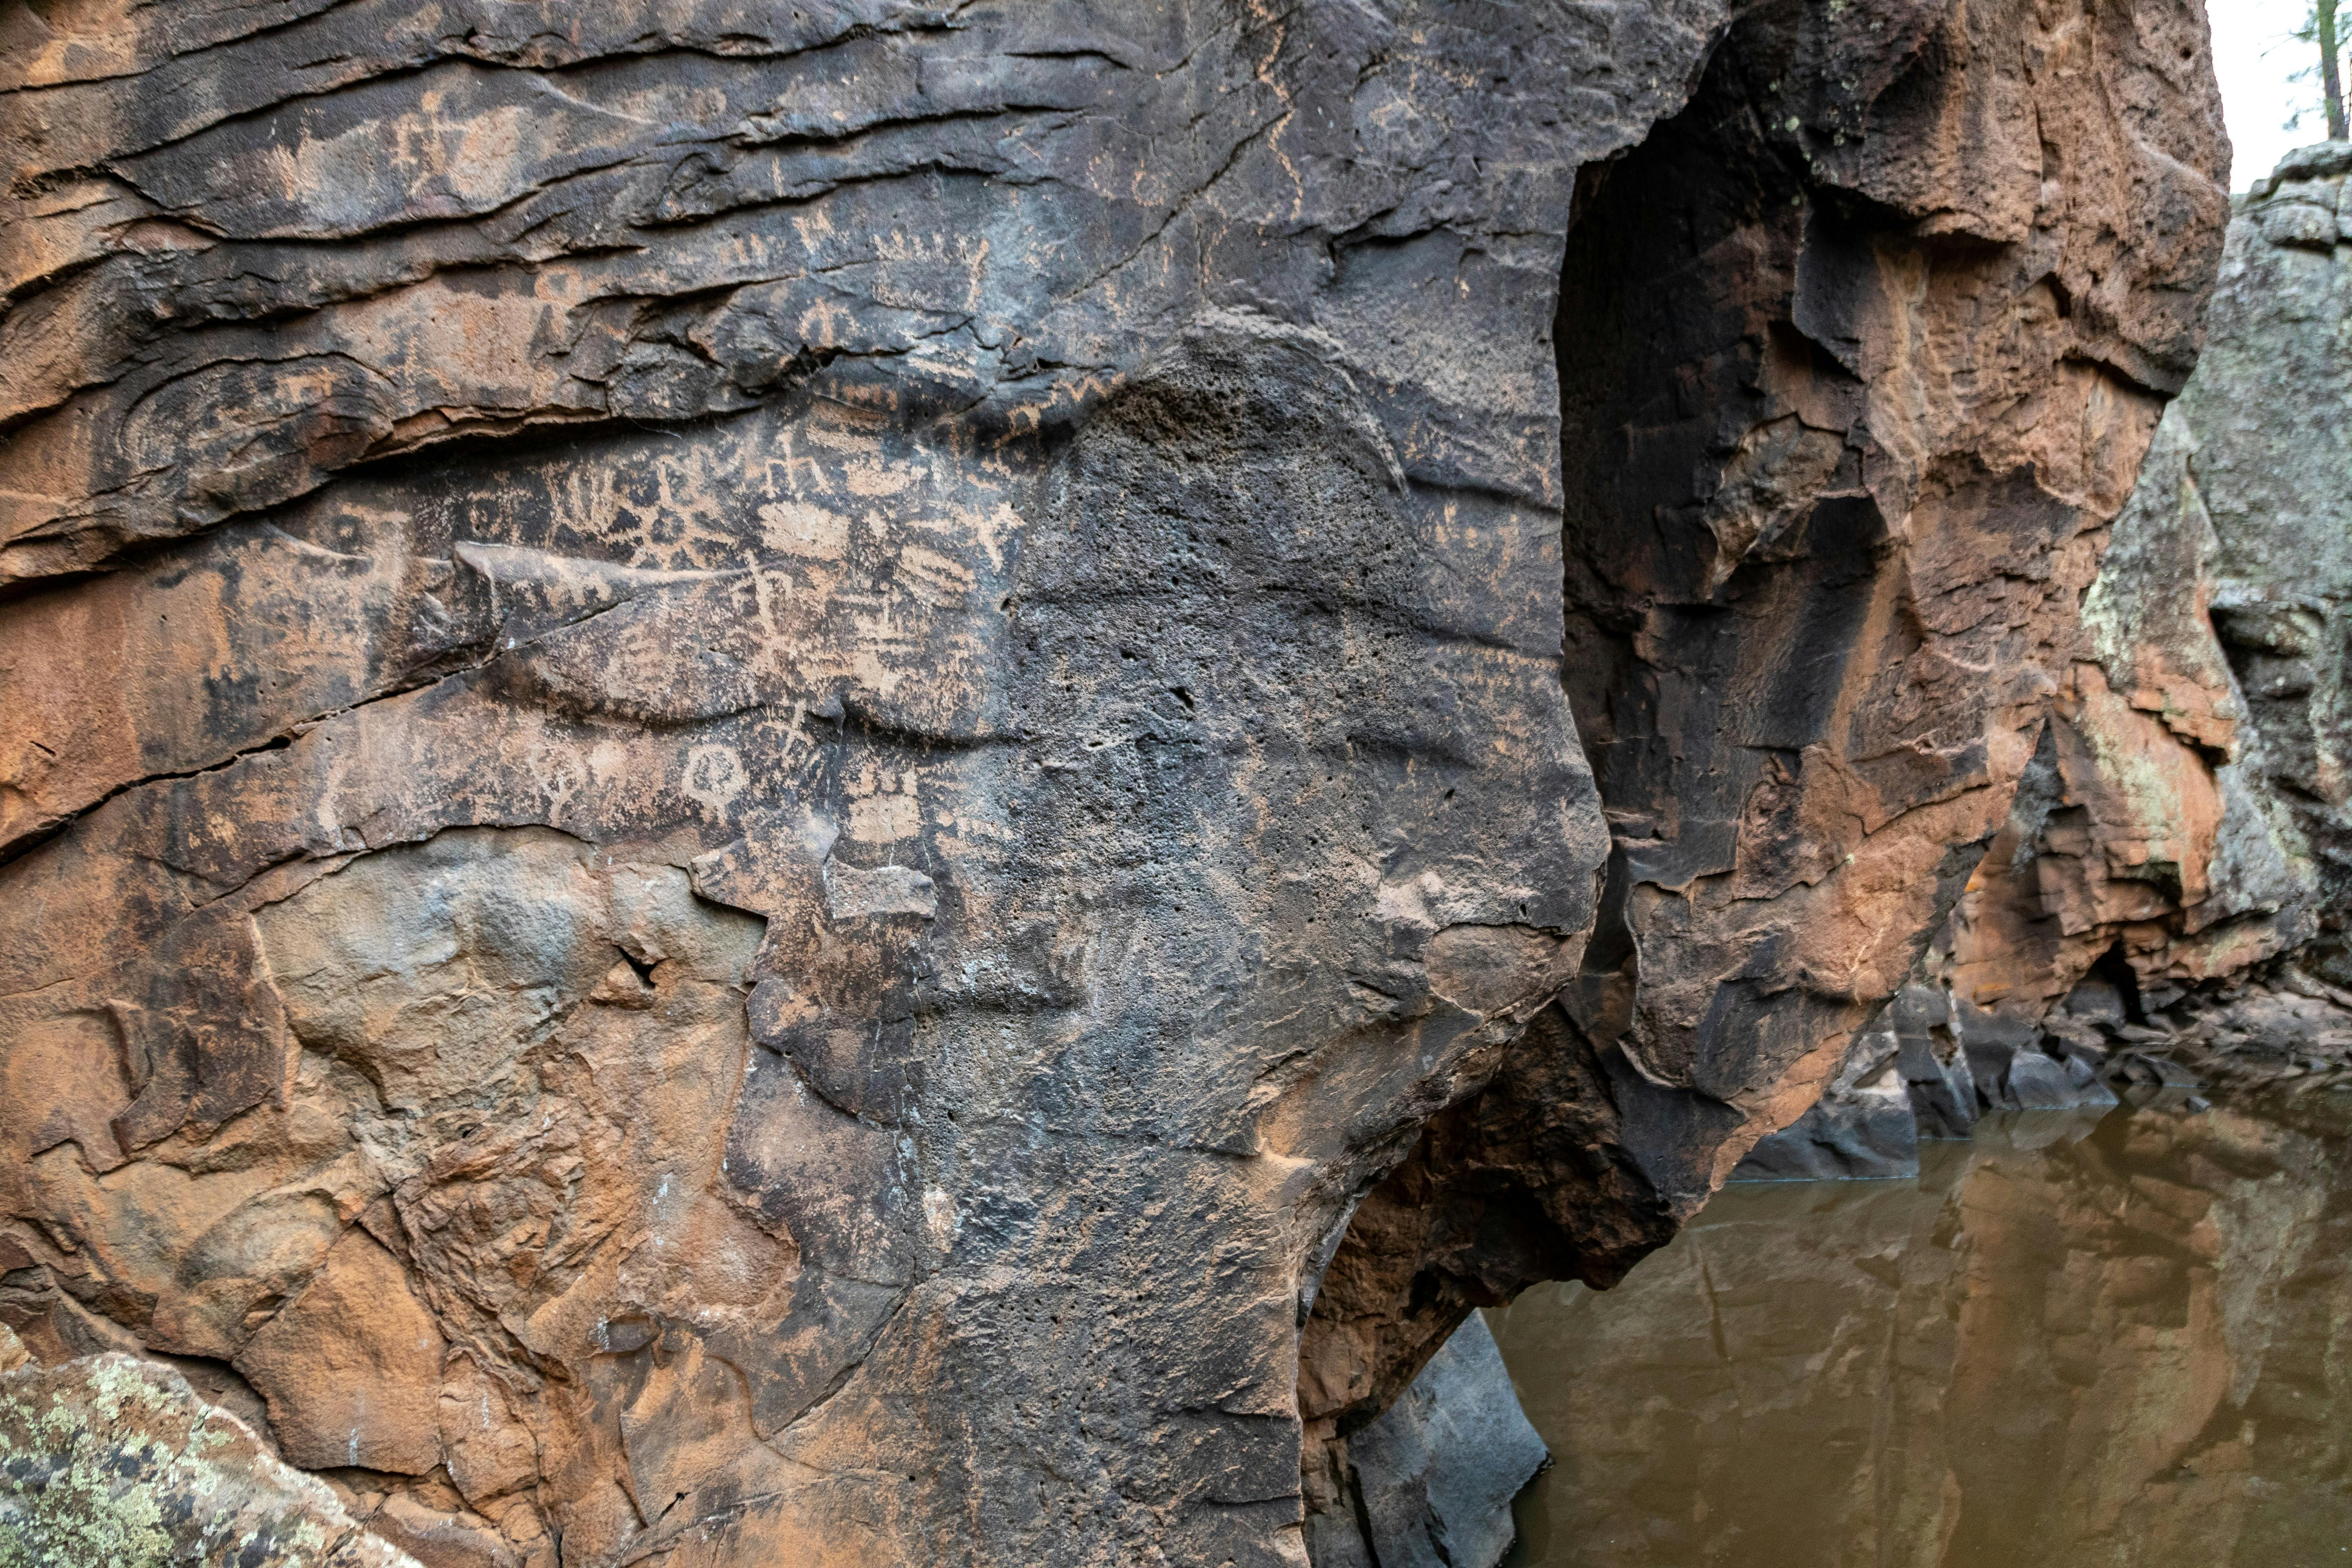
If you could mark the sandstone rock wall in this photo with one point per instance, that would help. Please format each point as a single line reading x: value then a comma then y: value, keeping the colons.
x: 752, y: 758
x: 2171, y: 886
x: 2169, y: 894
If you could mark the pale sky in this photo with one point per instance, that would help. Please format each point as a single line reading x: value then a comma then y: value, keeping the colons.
x: 2254, y: 54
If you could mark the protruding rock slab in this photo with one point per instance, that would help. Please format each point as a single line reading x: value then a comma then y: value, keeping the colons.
x: 1430, y: 1483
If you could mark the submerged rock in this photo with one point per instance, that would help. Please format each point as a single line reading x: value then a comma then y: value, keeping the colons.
x: 1429, y: 1482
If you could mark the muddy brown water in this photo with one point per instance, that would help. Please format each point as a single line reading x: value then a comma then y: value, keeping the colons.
x: 2076, y: 1340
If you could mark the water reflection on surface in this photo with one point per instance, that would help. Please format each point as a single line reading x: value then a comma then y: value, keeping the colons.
x: 2072, y: 1340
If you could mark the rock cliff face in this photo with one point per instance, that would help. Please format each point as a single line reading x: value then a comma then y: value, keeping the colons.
x: 752, y: 760
x: 1848, y: 401
x: 2173, y: 884
x: 2199, y: 819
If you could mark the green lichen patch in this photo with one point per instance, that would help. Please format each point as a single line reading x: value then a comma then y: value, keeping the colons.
x: 111, y: 1462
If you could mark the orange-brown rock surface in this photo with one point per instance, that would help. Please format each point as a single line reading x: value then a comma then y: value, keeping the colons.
x: 2168, y: 896
x: 753, y: 759
x: 2195, y: 823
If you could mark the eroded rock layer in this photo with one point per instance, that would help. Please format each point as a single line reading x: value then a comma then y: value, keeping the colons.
x: 752, y: 758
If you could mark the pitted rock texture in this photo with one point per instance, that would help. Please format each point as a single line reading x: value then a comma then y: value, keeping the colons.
x: 753, y: 759
x: 111, y: 1462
